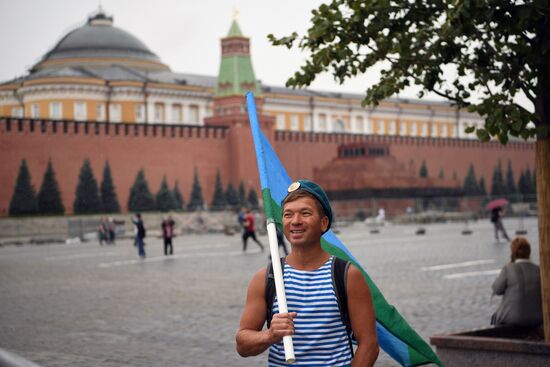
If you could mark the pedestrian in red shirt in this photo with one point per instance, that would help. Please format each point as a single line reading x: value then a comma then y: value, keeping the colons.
x: 250, y: 230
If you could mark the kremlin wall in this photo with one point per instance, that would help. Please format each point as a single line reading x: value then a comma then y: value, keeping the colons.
x: 126, y: 107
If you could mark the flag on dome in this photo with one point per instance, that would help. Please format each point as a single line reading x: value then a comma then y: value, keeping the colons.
x: 395, y: 336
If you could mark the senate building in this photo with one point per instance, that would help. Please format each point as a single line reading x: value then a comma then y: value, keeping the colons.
x: 101, y: 94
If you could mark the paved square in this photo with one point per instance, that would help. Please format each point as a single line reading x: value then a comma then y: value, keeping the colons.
x: 91, y: 305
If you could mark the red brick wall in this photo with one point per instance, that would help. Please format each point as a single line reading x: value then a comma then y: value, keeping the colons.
x: 210, y: 148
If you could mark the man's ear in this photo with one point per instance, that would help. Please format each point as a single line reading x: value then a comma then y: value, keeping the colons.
x: 324, y: 223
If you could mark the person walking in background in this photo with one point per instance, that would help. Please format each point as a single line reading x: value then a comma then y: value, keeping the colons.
x: 168, y: 234
x: 496, y: 219
x: 250, y: 230
x: 139, y: 234
x: 519, y: 285
x: 102, y: 232
x: 111, y: 228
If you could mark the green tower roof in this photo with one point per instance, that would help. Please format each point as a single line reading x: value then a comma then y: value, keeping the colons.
x: 235, y: 31
x: 236, y: 76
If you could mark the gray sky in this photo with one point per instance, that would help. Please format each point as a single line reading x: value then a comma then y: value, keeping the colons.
x: 185, y: 34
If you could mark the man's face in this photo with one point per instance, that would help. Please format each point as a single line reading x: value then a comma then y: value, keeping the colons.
x: 302, y: 222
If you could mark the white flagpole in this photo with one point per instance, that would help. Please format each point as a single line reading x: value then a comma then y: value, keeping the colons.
x: 271, y: 230
x: 279, y: 285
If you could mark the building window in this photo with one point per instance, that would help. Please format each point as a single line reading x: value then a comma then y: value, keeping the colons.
x: 294, y: 122
x: 433, y: 130
x: 177, y: 115
x: 424, y: 129
x: 369, y: 127
x: 159, y: 112
x: 100, y: 112
x: 414, y: 129
x: 194, y: 114
x: 56, y: 110
x: 35, y: 110
x: 140, y: 112
x: 381, y: 127
x: 114, y: 112
x: 322, y: 122
x: 453, y: 131
x: 392, y: 128
x: 444, y: 130
x: 307, y: 123
x: 281, y: 121
x: 402, y: 128
x: 80, y: 111
x: 17, y: 111
x: 359, y: 124
x: 339, y: 126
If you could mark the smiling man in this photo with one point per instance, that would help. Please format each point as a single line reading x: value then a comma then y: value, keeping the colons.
x: 322, y: 318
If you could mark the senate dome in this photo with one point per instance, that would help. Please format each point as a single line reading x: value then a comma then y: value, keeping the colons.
x: 98, y: 43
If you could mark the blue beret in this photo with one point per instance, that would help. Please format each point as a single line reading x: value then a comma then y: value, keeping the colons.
x: 314, y: 190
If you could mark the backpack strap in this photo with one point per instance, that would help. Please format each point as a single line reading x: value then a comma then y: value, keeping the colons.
x: 270, y: 291
x: 339, y: 282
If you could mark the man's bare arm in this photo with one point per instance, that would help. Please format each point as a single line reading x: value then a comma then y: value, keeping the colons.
x: 251, y: 339
x: 363, y: 320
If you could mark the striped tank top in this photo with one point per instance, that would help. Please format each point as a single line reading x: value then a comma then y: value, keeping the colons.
x: 320, y: 337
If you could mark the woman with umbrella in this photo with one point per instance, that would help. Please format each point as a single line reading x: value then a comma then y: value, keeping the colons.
x: 495, y: 206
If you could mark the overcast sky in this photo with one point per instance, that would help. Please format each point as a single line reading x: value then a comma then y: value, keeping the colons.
x: 185, y: 34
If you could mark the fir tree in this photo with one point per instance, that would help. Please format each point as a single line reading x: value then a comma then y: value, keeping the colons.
x: 231, y: 196
x: 165, y: 198
x: 140, y: 199
x: 423, y: 170
x: 109, y: 200
x: 253, y: 199
x: 178, y: 197
x: 497, y: 186
x: 470, y: 182
x: 441, y: 173
x: 23, y: 200
x: 196, y: 201
x: 242, y: 194
x: 510, y: 184
x: 49, y: 196
x: 530, y: 182
x: 482, y: 190
x: 87, y: 194
x: 218, y: 200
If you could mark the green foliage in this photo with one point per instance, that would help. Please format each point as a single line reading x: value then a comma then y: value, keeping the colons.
x: 482, y: 190
x: 231, y: 196
x: 497, y: 186
x: 423, y: 170
x: 140, y: 199
x: 87, y: 194
x: 218, y: 200
x: 49, y: 196
x: 242, y: 194
x: 107, y: 191
x: 165, y: 198
x: 450, y: 48
x: 471, y: 187
x: 178, y: 197
x: 23, y: 200
x: 252, y: 199
x: 196, y: 201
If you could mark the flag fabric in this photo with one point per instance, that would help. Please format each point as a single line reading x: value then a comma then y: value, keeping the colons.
x: 395, y: 336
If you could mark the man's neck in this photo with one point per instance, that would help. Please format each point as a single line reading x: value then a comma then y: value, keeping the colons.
x: 309, y: 258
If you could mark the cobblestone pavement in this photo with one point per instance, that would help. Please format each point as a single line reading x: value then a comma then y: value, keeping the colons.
x: 91, y: 305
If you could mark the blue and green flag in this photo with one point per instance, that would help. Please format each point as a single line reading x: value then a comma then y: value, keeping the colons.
x: 395, y: 336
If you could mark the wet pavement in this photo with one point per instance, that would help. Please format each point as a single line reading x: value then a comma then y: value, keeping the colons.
x: 91, y: 305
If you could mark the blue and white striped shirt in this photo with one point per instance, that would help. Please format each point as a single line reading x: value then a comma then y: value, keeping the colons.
x: 320, y: 337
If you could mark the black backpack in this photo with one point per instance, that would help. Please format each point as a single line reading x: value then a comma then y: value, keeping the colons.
x: 339, y: 271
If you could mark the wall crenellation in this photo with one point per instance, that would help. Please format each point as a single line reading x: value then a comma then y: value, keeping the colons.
x: 73, y: 128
